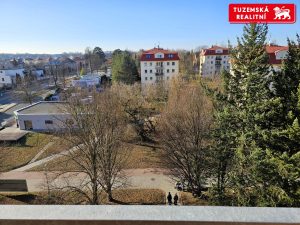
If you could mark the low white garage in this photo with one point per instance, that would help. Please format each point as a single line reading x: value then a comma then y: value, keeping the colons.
x: 42, y: 116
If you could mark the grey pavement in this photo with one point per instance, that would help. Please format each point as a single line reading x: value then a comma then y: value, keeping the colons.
x: 138, y: 178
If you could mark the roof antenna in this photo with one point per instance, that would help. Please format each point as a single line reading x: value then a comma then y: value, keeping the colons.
x: 158, y: 45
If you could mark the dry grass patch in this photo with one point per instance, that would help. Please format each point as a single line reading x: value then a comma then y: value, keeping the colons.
x: 140, y: 157
x: 4, y: 200
x: 17, y: 154
x: 143, y: 157
x: 137, y: 197
x: 121, y: 196
x: 60, y: 145
x: 187, y: 198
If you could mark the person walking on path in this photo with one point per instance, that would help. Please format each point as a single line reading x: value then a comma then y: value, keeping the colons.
x: 169, y: 197
x: 175, y: 199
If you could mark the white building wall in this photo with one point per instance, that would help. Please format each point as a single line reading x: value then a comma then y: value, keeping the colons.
x: 170, y: 70
x: 38, y: 121
x: 8, y: 77
x: 5, y: 80
x: 281, y: 54
x: 208, y: 66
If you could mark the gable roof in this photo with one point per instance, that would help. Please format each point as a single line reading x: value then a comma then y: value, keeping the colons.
x: 148, y: 55
x: 212, y: 50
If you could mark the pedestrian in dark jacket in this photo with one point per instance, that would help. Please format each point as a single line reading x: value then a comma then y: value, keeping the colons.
x: 175, y: 199
x: 169, y: 197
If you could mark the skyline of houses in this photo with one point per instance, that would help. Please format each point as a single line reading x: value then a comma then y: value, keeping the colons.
x: 155, y: 64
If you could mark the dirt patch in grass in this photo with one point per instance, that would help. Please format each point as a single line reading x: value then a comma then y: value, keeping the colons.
x: 121, y: 196
x: 187, y: 198
x: 14, y: 155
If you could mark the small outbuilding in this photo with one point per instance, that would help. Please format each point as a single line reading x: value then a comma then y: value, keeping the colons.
x: 42, y: 116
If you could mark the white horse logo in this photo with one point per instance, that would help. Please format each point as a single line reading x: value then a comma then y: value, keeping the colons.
x: 281, y: 13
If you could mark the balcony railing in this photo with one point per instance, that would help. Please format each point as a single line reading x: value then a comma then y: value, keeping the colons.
x: 159, y: 74
x: 146, y: 215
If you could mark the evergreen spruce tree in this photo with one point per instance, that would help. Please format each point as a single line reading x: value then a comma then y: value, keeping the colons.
x: 258, y: 125
x: 283, y: 145
x: 123, y: 68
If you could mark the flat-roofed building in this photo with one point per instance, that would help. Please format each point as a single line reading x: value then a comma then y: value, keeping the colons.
x: 42, y: 116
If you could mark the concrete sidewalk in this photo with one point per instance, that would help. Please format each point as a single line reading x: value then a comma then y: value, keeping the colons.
x: 137, y: 178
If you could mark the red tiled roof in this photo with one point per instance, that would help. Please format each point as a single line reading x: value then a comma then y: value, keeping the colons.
x: 212, y: 51
x: 271, y: 50
x: 153, y: 51
x: 275, y: 48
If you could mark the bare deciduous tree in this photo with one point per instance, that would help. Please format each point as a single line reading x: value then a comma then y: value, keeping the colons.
x: 137, y: 109
x: 100, y: 157
x: 27, y: 87
x: 184, y: 131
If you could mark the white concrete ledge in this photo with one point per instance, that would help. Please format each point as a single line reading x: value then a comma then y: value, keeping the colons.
x: 105, y: 214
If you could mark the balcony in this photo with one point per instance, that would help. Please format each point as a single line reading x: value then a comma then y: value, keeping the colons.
x: 218, y: 62
x: 160, y: 67
x: 146, y: 215
x: 159, y: 74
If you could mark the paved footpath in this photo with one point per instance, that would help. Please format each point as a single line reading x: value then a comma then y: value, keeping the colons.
x: 137, y: 178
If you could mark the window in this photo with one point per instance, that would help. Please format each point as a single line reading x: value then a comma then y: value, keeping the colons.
x: 48, y: 122
x: 150, y: 71
x: 173, y: 63
x: 146, y: 78
x: 151, y: 64
x: 148, y: 56
x: 224, y: 62
x: 145, y: 64
x: 167, y: 78
x: 150, y: 78
x: 168, y: 70
x: 211, y: 62
x: 168, y: 63
x: 2, y: 79
x: 173, y: 70
x: 146, y: 71
x: 170, y: 56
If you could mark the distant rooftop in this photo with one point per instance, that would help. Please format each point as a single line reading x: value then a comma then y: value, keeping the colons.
x: 43, y: 107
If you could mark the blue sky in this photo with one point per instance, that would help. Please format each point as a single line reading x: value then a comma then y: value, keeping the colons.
x: 55, y: 26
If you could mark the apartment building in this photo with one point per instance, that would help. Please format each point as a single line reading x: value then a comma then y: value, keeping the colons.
x: 277, y: 54
x: 158, y: 64
x: 213, y: 60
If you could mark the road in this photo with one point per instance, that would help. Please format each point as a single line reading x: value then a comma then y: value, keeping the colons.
x: 6, y: 98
